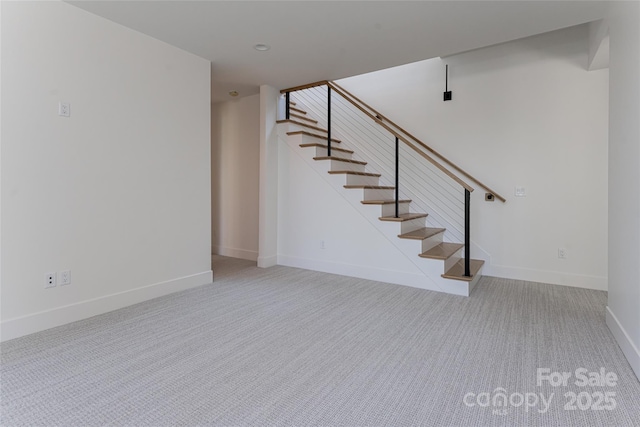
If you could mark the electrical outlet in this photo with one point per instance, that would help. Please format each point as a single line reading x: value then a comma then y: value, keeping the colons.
x: 520, y: 192
x: 562, y: 253
x: 64, y: 109
x: 50, y: 280
x: 65, y: 277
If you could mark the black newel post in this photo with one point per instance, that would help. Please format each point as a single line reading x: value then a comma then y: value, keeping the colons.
x: 397, y: 177
x: 287, y: 109
x: 328, y: 120
x: 467, y: 232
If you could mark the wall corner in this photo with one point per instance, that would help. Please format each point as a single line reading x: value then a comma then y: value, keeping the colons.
x: 268, y: 188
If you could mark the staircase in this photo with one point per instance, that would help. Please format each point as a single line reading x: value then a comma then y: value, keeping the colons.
x: 428, y: 246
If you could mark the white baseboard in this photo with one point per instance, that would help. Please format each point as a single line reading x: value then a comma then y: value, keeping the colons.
x: 235, y: 253
x: 363, y: 272
x: 25, y: 325
x: 542, y: 276
x: 629, y: 349
x: 267, y: 261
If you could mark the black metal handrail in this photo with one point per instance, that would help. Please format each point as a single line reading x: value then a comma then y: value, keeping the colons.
x: 398, y: 137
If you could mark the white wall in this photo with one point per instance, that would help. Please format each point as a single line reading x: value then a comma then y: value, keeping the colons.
x: 119, y: 192
x: 623, y: 313
x: 235, y: 179
x: 524, y: 113
x: 268, y: 198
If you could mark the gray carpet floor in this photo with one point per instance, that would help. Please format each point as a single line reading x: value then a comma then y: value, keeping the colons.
x: 290, y: 347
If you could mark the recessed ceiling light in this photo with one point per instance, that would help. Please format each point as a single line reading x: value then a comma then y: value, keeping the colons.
x: 233, y: 93
x: 262, y: 47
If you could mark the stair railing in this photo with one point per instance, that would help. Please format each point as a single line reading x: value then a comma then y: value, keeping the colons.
x: 444, y: 165
x: 287, y: 93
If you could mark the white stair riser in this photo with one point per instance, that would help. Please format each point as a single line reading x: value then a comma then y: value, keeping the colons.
x: 459, y: 287
x: 431, y: 242
x: 377, y: 194
x: 307, y: 139
x: 362, y: 180
x: 303, y: 118
x: 452, y: 260
x: 411, y: 225
x: 474, y: 282
x: 346, y: 166
x: 294, y: 127
x: 323, y: 152
x: 390, y: 210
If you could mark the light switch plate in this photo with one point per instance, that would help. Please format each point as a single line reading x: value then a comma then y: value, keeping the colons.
x: 64, y: 109
x: 65, y: 277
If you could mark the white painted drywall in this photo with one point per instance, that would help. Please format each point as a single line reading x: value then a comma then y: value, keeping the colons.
x: 1, y: 171
x: 235, y: 178
x: 598, y: 45
x: 268, y: 191
x: 119, y: 192
x: 524, y: 113
x: 623, y: 316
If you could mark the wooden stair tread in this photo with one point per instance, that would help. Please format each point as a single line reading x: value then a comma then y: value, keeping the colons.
x: 292, y: 103
x: 301, y: 117
x: 297, y: 110
x: 370, y: 187
x: 307, y: 125
x: 457, y: 271
x: 442, y: 251
x: 377, y: 175
x: 302, y: 132
x: 340, y: 159
x: 422, y: 233
x: 315, y: 144
x: 403, y: 217
x: 383, y: 202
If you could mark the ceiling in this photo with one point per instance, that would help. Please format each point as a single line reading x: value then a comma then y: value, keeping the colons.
x: 328, y: 40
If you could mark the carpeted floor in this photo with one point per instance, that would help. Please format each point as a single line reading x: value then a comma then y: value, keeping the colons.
x: 290, y: 347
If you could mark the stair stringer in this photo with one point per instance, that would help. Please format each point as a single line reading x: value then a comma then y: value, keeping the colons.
x: 430, y: 270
